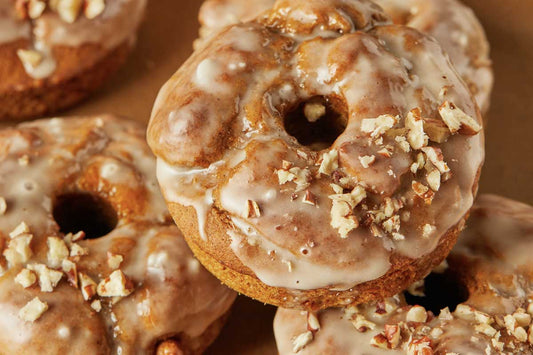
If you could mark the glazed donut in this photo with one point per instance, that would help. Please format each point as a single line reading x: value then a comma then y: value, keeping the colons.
x: 90, y: 262
x: 318, y: 163
x: 53, y: 53
x: 491, y: 264
x: 453, y: 24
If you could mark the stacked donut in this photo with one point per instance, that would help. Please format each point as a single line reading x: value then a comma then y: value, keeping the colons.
x: 318, y: 155
x: 53, y: 53
x: 489, y: 273
x: 90, y: 262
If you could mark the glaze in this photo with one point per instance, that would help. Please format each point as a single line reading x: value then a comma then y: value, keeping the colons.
x: 494, y: 319
x: 165, y: 292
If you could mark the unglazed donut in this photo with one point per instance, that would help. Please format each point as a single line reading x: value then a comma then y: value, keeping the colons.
x: 53, y: 53
x: 491, y: 261
x: 318, y: 163
x: 136, y: 288
x: 453, y: 24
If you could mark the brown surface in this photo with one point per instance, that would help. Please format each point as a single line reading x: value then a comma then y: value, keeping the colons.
x: 166, y: 41
x: 22, y: 97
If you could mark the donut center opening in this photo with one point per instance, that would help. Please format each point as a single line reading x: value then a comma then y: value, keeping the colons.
x: 75, y: 212
x: 316, y: 123
x: 441, y: 290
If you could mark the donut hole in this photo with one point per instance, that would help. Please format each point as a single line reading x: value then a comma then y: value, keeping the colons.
x: 75, y: 212
x: 441, y: 290
x: 316, y: 123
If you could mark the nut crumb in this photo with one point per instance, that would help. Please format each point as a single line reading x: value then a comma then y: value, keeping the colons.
x: 94, y: 8
x: 416, y: 137
x: 367, y: 160
x: 33, y: 310
x: 96, y: 305
x: 29, y: 58
x: 26, y: 278
x: 330, y: 162
x: 301, y: 341
x: 22, y: 228
x: 457, y: 120
x: 48, y: 278
x: 114, y: 260
x: 115, y: 285
x: 417, y: 314
x: 252, y: 209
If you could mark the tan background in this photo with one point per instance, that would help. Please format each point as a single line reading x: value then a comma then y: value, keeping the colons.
x: 165, y: 42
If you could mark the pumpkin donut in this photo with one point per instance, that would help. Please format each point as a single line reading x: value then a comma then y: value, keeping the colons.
x: 53, y: 53
x: 453, y: 24
x: 318, y: 156
x: 90, y: 261
x: 488, y: 282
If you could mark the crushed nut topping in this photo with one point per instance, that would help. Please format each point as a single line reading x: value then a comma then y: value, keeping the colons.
x: 18, y: 250
x: 252, y: 210
x: 30, y: 58
x: 48, y: 278
x: 115, y: 285
x: 342, y: 217
x: 22, y: 228
x: 78, y: 250
x: 423, y: 191
x: 313, y: 324
x: 301, y: 341
x: 26, y: 278
x: 417, y: 314
x: 436, y: 130
x: 362, y: 324
x: 114, y: 260
x: 71, y: 271
x: 378, y: 126
x: 94, y: 8
x: 457, y: 120
x: 433, y: 179
x: 416, y: 137
x: 96, y: 305
x: 57, y: 251
x: 33, y: 310
x: 313, y: 111
x: 87, y: 286
x: 367, y: 160
x: 309, y: 198
x: 435, y: 156
x: 330, y: 162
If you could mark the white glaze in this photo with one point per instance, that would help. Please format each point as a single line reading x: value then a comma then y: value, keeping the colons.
x: 491, y: 250
x: 108, y: 157
x: 245, y: 107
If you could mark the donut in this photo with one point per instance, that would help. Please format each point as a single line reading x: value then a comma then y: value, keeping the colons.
x: 482, y: 303
x: 54, y: 53
x: 309, y: 181
x: 453, y: 24
x: 90, y: 261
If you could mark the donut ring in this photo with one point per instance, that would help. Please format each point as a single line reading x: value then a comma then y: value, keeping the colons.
x: 137, y: 288
x: 454, y: 25
x: 293, y: 219
x: 52, y: 54
x: 491, y: 262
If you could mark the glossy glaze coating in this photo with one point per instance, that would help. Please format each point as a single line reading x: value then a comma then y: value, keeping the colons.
x: 163, y: 290
x: 454, y: 25
x: 115, y: 25
x: 218, y: 131
x: 492, y: 260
